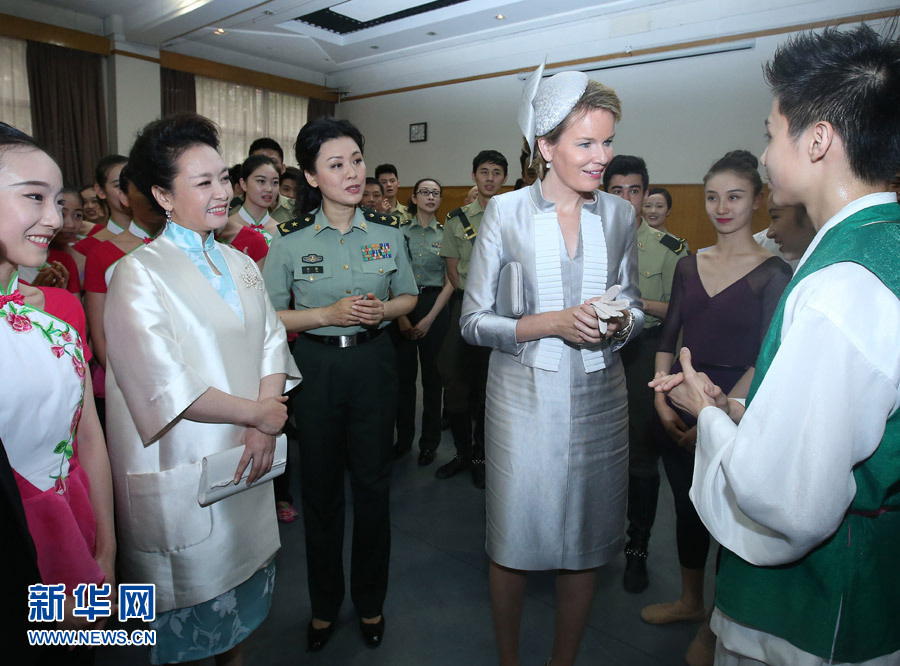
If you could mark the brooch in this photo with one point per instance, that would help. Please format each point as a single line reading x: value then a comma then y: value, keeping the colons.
x: 251, y: 278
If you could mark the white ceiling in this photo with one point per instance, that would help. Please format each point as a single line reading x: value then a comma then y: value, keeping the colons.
x: 457, y: 40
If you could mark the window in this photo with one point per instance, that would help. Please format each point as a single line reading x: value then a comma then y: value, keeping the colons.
x: 245, y: 113
x: 15, y: 101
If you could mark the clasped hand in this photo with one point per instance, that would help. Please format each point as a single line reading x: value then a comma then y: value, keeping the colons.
x: 259, y: 439
x: 689, y: 390
x: 357, y: 311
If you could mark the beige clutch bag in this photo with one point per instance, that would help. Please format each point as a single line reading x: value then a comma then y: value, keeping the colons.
x: 217, y: 472
x: 510, y: 291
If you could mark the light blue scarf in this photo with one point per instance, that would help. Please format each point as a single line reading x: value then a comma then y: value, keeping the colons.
x: 189, y: 242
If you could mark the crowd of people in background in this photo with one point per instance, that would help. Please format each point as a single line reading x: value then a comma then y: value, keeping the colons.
x: 188, y: 308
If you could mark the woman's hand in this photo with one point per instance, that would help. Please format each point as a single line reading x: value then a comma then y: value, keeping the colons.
x: 258, y: 448
x: 370, y: 310
x: 341, y: 313
x: 271, y: 413
x: 577, y: 324
x: 672, y: 423
x: 54, y: 274
x: 690, y: 390
x: 617, y: 324
x: 420, y: 330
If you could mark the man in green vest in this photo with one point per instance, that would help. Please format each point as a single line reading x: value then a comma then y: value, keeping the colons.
x: 802, y: 486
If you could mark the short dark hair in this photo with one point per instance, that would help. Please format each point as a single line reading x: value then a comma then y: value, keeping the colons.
x: 624, y: 165
x: 741, y: 162
x: 265, y: 143
x: 12, y: 138
x: 291, y: 173
x: 375, y: 181
x: 490, y: 157
x: 385, y: 168
x: 309, y: 140
x: 664, y: 192
x: 851, y: 80
x: 253, y: 162
x: 101, y: 171
x: 159, y: 145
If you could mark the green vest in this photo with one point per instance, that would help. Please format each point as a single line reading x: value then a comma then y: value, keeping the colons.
x: 840, y: 601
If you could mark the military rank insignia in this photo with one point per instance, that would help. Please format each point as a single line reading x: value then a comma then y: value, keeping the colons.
x: 376, y: 251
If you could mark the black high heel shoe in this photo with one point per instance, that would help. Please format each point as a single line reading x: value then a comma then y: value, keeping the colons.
x: 372, y: 633
x: 316, y: 639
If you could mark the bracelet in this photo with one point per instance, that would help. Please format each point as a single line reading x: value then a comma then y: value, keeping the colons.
x: 619, y: 336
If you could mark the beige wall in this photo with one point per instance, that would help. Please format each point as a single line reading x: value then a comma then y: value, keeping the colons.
x: 134, y: 100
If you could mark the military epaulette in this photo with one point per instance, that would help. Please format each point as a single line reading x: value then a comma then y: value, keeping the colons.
x: 296, y: 224
x: 456, y: 212
x: 673, y: 243
x: 387, y: 219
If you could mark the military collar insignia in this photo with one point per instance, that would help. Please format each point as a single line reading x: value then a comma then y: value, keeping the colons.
x: 387, y: 219
x: 296, y: 224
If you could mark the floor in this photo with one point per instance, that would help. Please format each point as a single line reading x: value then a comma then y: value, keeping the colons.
x: 437, y: 610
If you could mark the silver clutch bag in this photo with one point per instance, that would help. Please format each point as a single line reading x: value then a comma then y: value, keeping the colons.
x: 217, y: 472
x: 510, y: 291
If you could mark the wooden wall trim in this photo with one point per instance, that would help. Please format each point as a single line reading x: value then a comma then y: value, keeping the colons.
x: 13, y: 26
x: 872, y: 16
x: 136, y: 56
x: 249, y: 77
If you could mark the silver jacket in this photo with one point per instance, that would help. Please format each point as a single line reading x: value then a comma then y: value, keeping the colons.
x: 522, y: 226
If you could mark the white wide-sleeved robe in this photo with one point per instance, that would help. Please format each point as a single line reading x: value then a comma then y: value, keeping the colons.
x: 170, y: 337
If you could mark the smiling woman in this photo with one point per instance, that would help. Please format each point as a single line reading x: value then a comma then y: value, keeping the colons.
x: 556, y: 414
x: 197, y: 364
x: 48, y: 423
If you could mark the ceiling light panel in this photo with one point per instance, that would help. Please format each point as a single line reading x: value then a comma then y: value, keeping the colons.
x: 367, y: 10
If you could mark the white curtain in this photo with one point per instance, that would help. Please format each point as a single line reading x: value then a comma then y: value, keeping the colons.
x: 245, y: 113
x: 15, y: 102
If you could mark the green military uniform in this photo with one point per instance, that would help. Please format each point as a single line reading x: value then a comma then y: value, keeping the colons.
x: 463, y: 367
x: 345, y: 408
x: 458, y: 240
x: 424, y: 244
x: 658, y: 252
x: 402, y: 213
x: 282, y: 214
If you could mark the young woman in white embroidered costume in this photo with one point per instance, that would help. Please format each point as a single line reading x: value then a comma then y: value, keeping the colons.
x: 48, y: 423
x: 197, y: 364
x: 556, y: 415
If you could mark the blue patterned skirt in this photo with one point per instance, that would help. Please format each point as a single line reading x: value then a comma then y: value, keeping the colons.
x: 214, y: 626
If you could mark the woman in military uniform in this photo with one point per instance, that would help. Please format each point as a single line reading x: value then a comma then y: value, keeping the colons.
x: 421, y: 334
x: 350, y: 275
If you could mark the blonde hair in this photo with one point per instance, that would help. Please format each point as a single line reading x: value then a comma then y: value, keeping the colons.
x: 595, y: 96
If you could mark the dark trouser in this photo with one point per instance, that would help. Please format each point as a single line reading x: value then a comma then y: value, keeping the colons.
x: 345, y: 415
x: 463, y: 370
x: 282, y: 483
x: 408, y: 354
x: 690, y: 533
x: 639, y: 358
